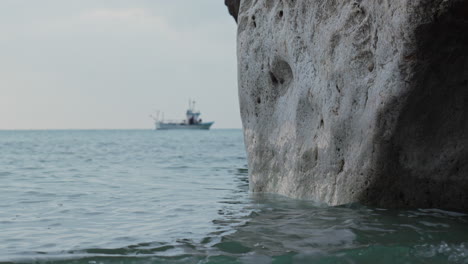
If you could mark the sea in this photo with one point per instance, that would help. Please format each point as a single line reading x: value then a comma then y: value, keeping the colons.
x: 145, y: 196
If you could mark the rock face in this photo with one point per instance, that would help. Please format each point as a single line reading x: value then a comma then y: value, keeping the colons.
x: 233, y: 7
x: 345, y: 101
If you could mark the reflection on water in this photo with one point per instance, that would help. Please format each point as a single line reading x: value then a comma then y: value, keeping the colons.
x: 141, y: 197
x: 298, y: 231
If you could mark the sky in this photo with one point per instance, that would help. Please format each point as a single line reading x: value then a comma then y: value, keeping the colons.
x: 109, y: 64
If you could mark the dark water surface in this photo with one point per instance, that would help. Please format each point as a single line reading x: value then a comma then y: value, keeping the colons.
x: 136, y: 196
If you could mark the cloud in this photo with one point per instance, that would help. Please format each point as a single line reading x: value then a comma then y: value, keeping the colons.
x: 116, y: 14
x: 131, y: 18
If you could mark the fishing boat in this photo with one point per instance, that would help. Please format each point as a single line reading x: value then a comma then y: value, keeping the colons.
x: 192, y: 121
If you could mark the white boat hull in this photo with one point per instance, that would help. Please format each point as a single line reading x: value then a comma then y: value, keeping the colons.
x: 167, y: 126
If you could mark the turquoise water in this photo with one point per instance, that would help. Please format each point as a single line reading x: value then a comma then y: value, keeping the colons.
x: 141, y: 196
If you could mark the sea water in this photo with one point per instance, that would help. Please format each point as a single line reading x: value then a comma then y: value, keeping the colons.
x: 142, y: 196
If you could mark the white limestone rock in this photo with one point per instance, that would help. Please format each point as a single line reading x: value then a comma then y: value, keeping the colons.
x: 356, y: 101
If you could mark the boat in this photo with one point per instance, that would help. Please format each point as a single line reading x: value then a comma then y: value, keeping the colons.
x: 192, y: 121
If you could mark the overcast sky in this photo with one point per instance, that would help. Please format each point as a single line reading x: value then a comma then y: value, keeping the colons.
x: 92, y: 64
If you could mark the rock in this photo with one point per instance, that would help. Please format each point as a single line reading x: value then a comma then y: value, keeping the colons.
x: 356, y: 101
x: 233, y: 7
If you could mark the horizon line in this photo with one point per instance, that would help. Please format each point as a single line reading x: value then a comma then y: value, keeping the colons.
x: 58, y: 129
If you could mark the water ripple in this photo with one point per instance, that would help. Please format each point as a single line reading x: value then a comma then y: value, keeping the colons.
x: 156, y: 197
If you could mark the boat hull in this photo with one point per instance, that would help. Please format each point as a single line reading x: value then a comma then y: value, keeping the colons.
x: 171, y: 126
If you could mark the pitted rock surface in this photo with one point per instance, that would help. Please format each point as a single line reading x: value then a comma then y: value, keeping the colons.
x: 356, y: 101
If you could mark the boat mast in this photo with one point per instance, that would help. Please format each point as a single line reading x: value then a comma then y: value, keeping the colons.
x: 155, y: 118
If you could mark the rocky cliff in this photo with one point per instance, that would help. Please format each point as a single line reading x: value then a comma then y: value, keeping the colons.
x: 345, y: 101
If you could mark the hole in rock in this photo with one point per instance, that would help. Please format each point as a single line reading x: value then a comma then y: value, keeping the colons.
x: 273, y: 78
x: 341, y: 164
x: 281, y: 76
